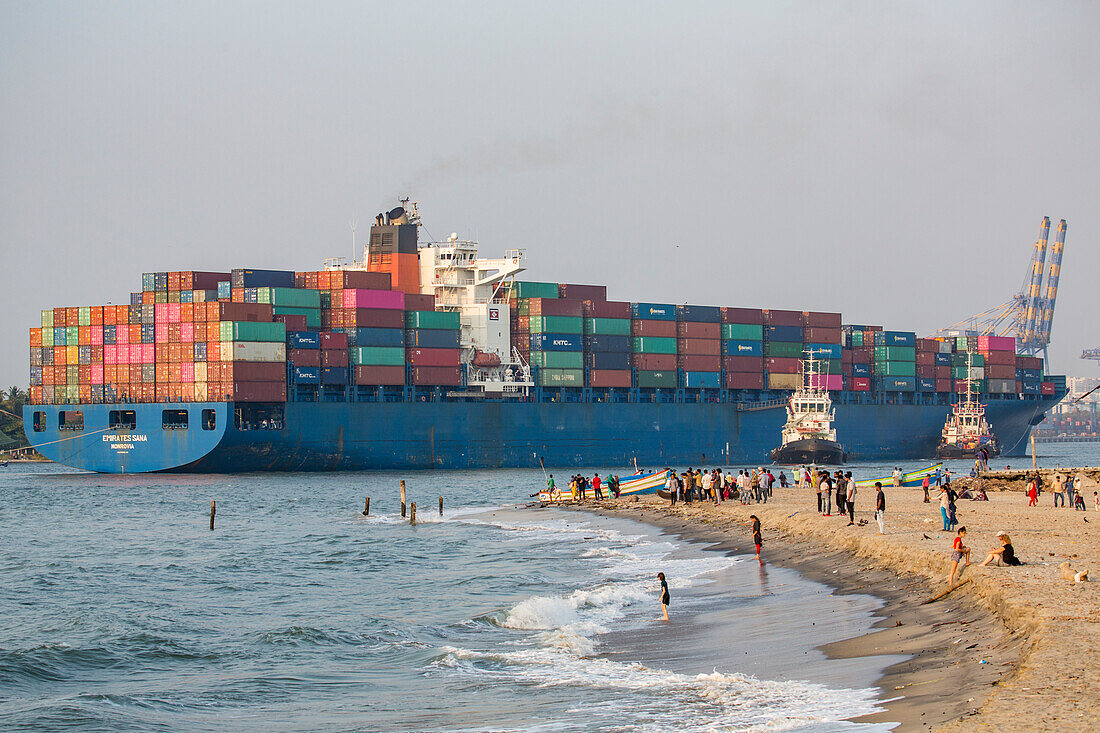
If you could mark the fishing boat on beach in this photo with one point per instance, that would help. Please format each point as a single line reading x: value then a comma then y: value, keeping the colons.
x: 636, y: 485
x: 913, y: 479
x: 809, y: 435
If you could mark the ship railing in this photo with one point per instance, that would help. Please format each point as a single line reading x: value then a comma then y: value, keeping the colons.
x: 760, y: 405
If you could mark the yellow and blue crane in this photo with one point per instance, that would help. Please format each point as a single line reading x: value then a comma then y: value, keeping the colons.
x: 1029, y: 314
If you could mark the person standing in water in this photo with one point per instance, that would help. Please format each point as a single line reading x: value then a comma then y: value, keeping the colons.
x: 757, y: 539
x: 664, y: 594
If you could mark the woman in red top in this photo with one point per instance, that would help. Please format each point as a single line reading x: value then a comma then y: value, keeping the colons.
x: 959, y: 553
x: 1033, y: 493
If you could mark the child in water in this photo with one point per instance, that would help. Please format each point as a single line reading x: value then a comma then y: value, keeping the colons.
x: 664, y: 594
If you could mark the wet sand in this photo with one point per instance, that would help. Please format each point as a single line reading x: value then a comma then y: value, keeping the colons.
x: 1013, y: 648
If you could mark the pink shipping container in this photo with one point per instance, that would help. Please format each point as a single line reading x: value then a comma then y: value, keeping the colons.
x: 388, y: 299
x: 110, y: 356
x: 160, y: 313
x: 173, y: 312
x: 997, y: 343
x: 606, y: 309
x: 122, y: 335
x: 148, y: 353
x: 432, y: 357
x: 331, y: 340
x: 97, y: 335
x: 187, y: 371
x: 187, y: 333
x: 160, y: 333
x: 609, y: 378
x: 861, y: 384
x: 831, y: 382
x: 744, y: 380
x: 97, y: 374
x: 783, y: 365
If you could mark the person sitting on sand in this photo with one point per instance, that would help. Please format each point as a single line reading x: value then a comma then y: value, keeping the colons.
x: 980, y: 496
x: 959, y: 553
x: 1005, y: 554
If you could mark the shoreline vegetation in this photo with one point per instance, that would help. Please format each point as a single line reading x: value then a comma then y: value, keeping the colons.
x: 1007, y: 648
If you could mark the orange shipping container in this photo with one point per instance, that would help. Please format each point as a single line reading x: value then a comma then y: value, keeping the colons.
x: 187, y: 312
x: 36, y: 337
x: 96, y: 315
x: 84, y: 335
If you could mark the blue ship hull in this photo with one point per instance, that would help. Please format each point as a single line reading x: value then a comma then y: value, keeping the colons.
x: 341, y: 436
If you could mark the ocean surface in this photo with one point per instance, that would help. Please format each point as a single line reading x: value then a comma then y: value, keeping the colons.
x: 121, y: 611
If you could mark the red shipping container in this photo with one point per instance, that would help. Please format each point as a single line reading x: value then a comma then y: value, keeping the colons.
x: 555, y: 307
x: 860, y: 384
x: 606, y: 309
x: 331, y: 358
x: 943, y: 372
x: 783, y: 318
x: 928, y: 371
x: 380, y: 375
x: 821, y: 320
x: 373, y: 318
x: 926, y: 358
x: 699, y: 363
x: 707, y: 347
x: 1046, y: 388
x: 433, y: 375
x: 258, y: 392
x: 1000, y: 371
x: 846, y: 357
x: 523, y: 324
x: 1003, y: 358
x: 357, y: 280
x: 293, y: 323
x: 783, y: 365
x: 690, y: 330
x: 943, y: 385
x: 239, y: 312
x: 744, y: 380
x: 331, y: 340
x: 822, y: 335
x: 960, y: 386
x: 609, y: 378
x: 432, y: 357
x: 654, y: 362
x: 418, y: 301
x: 862, y: 355
x: 253, y: 371
x: 744, y: 364
x: 582, y: 292
x: 1029, y: 362
x: 662, y: 329
x: 745, y: 316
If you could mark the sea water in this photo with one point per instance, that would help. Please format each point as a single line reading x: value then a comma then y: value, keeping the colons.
x: 121, y: 610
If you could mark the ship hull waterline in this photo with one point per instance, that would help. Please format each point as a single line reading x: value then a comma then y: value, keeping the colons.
x: 810, y: 450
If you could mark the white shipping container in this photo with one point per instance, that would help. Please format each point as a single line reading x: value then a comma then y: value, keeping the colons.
x: 253, y: 351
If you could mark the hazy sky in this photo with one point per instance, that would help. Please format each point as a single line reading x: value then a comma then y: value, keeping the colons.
x: 888, y: 160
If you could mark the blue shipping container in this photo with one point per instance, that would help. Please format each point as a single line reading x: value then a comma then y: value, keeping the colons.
x: 895, y: 338
x: 861, y: 370
x: 824, y: 351
x: 242, y: 278
x: 1031, y: 388
x: 432, y: 338
x: 199, y: 351
x: 898, y: 384
x: 943, y: 359
x: 225, y: 290
x: 607, y: 342
x: 926, y: 384
x: 653, y: 312
x: 303, y: 340
x: 307, y: 375
x: 109, y: 334
x: 701, y: 380
x: 783, y: 333
x: 1023, y: 375
x: 699, y: 313
x: 556, y: 342
x: 607, y: 360
x: 743, y: 348
x: 375, y: 336
x: 334, y: 375
x: 136, y: 298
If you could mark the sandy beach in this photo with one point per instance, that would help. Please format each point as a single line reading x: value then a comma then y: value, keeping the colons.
x: 1010, y: 648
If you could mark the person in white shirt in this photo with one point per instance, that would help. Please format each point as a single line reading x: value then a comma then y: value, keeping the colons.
x: 708, y: 483
x: 826, y: 496
x: 897, y: 477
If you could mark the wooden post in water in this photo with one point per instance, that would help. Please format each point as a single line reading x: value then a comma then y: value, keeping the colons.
x: 441, y: 506
x: 1034, y: 461
x: 402, y: 498
x: 412, y: 513
x: 213, y: 511
x: 366, y: 508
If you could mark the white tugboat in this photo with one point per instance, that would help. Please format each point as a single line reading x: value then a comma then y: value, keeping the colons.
x: 966, y: 432
x: 809, y: 435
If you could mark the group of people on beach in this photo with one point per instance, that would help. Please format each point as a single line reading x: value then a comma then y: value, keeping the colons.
x: 747, y: 487
x: 1064, y: 487
x: 580, y: 485
x: 839, y: 489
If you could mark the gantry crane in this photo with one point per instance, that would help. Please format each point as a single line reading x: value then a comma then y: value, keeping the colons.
x: 1029, y: 314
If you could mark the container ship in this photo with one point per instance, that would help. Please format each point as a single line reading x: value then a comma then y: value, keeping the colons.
x: 425, y: 355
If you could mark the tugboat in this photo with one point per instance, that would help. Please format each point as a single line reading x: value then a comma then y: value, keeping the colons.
x: 966, y: 432
x: 809, y: 435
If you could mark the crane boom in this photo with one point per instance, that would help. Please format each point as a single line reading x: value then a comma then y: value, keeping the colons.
x: 1033, y: 314
x: 1052, y: 281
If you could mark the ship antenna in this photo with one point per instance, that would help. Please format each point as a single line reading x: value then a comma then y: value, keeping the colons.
x: 354, y: 224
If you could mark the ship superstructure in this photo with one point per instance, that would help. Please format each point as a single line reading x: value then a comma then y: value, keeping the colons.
x: 809, y: 435
x: 966, y: 431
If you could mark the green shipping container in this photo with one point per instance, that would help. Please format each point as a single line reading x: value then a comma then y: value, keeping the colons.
x: 84, y: 315
x: 977, y: 360
x: 607, y: 326
x: 535, y: 290
x: 523, y: 307
x: 377, y: 356
x: 895, y: 368
x: 657, y: 380
x: 742, y: 332
x: 655, y: 345
x: 249, y: 331
x: 432, y: 319
x: 313, y: 315
x: 47, y: 318
x: 557, y: 324
x: 72, y: 335
x: 295, y: 297
x: 558, y: 359
x: 785, y: 349
x: 961, y: 344
x: 857, y: 338
x: 895, y: 353
x: 561, y: 377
